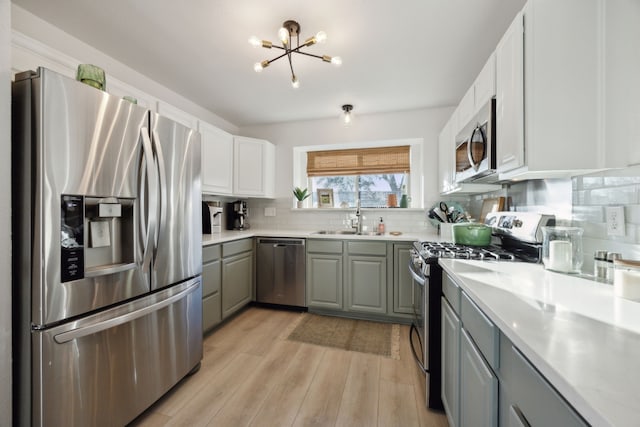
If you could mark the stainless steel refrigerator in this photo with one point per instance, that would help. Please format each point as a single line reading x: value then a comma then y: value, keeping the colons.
x: 107, y: 253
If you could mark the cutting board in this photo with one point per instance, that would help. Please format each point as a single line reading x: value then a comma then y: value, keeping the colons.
x: 494, y: 204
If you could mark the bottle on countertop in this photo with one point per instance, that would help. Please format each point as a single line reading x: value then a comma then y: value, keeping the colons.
x: 600, y: 264
x: 611, y: 257
x: 381, y: 226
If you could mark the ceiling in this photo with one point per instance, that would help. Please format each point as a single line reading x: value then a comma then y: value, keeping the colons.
x: 397, y: 55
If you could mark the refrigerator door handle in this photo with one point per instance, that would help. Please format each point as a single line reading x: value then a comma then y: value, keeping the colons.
x: 152, y: 197
x: 125, y: 318
x: 163, y: 187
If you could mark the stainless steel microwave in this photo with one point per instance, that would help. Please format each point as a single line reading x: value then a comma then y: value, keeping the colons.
x: 475, y: 156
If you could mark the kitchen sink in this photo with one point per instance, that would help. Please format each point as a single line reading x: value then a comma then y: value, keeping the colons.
x: 348, y: 232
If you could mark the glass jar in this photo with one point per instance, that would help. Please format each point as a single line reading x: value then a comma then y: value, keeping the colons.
x: 626, y: 279
x: 562, y: 249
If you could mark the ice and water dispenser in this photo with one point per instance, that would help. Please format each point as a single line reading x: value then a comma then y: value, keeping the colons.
x: 97, y: 236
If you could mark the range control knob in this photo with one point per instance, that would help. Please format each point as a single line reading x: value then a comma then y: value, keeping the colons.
x: 517, y: 223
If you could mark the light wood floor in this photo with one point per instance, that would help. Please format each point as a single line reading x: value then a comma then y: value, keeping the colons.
x: 251, y: 375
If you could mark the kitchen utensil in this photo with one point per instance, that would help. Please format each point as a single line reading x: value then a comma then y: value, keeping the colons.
x: 472, y: 234
x: 494, y: 204
x: 437, y: 214
x: 444, y: 209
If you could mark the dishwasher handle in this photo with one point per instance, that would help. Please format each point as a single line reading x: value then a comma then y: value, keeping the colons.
x: 281, y: 242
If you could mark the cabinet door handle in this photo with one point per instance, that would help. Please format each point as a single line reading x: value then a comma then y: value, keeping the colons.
x: 516, y: 418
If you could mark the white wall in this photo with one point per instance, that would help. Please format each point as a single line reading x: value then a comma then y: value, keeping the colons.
x: 5, y: 213
x: 53, y: 37
x: 424, y: 123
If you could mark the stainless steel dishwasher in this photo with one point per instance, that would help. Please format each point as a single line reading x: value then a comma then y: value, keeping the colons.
x: 280, y: 272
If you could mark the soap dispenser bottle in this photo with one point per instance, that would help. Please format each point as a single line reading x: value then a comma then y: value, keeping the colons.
x: 381, y: 226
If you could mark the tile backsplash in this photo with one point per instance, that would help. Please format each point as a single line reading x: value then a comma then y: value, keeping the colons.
x: 289, y: 218
x: 591, y: 195
x: 580, y: 201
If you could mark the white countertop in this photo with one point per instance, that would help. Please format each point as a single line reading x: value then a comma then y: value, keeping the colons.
x: 229, y: 235
x: 582, y: 338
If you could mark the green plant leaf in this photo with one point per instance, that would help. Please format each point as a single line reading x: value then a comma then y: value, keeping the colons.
x: 300, y: 194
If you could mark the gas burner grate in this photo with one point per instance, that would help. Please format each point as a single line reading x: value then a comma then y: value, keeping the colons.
x: 451, y: 250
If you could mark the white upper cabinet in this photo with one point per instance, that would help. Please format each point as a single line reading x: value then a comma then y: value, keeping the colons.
x: 510, y: 98
x: 217, y: 160
x: 485, y: 85
x: 481, y: 92
x: 622, y: 83
x: 549, y: 90
x: 254, y: 167
x: 466, y: 110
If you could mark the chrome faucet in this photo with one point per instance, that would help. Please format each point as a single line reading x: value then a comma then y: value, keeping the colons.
x: 357, y: 221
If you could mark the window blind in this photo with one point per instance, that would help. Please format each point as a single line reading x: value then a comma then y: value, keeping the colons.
x: 359, y: 161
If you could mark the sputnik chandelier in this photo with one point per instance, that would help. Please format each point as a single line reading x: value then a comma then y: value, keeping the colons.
x: 289, y: 30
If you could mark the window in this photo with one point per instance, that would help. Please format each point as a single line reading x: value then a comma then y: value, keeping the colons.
x: 376, y: 176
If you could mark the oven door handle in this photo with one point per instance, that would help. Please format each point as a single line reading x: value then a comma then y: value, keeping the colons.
x: 413, y: 349
x: 417, y: 277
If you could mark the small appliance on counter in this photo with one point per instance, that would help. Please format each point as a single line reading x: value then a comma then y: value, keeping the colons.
x: 211, y: 217
x: 237, y: 215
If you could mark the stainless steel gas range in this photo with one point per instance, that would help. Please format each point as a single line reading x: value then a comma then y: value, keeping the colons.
x: 516, y: 237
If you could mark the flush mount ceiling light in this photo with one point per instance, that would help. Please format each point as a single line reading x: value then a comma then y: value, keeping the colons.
x: 346, y: 116
x: 289, y: 30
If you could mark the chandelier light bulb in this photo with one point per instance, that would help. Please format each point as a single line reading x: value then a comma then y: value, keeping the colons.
x: 295, y: 83
x: 283, y: 35
x: 259, y: 66
x: 321, y: 37
x: 337, y: 61
x: 255, y: 42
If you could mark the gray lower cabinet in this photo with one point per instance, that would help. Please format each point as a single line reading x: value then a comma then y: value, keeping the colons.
x: 211, y: 287
x: 526, y: 398
x: 237, y: 275
x: 450, y: 363
x: 366, y: 277
x: 324, y: 281
x: 486, y: 380
x: 478, y: 387
x: 359, y: 276
x: 402, y: 280
x: 367, y: 283
x: 324, y: 274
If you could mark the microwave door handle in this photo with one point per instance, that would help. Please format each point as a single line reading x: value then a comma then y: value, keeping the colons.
x: 475, y: 165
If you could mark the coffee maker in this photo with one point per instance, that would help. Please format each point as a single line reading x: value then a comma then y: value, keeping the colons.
x: 211, y: 217
x: 237, y: 215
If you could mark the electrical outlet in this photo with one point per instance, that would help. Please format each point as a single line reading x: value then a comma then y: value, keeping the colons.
x: 615, y: 220
x: 270, y: 211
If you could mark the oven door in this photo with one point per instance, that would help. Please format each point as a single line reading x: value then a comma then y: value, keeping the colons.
x: 418, y: 332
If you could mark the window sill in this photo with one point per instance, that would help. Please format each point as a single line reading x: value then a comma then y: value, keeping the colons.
x: 353, y: 209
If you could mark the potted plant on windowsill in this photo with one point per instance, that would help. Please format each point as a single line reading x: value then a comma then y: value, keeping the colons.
x: 300, y: 194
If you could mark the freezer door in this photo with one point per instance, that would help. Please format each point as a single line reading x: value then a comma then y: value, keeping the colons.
x: 75, y: 140
x: 178, y: 252
x: 106, y: 369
